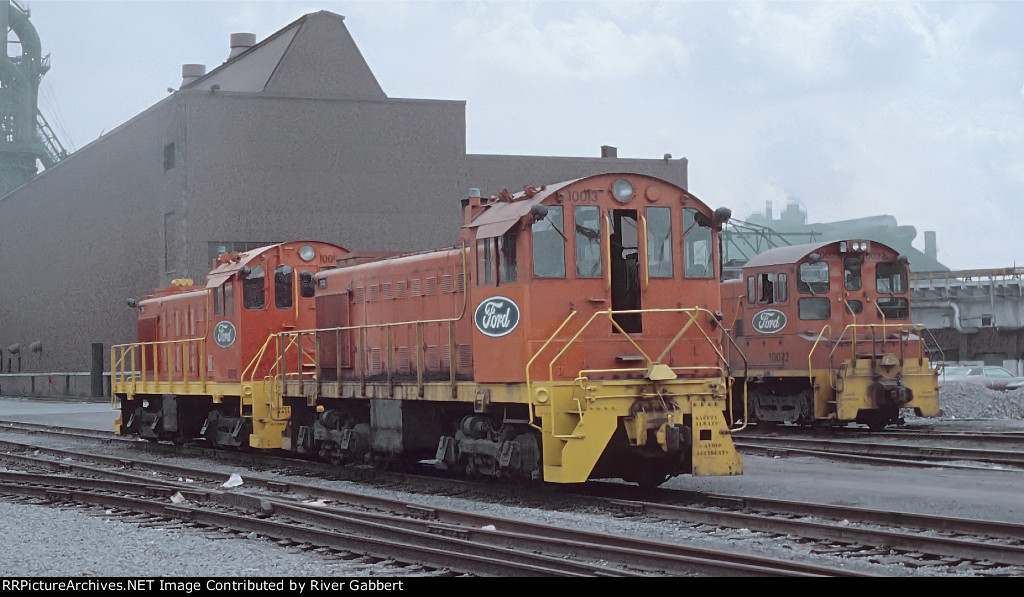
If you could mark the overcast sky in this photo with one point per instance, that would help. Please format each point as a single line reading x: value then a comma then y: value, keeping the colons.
x: 914, y: 109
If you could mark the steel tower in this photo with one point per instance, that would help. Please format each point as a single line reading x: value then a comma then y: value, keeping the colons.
x: 25, y: 137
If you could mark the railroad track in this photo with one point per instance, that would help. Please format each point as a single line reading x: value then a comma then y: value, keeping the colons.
x: 432, y: 537
x: 912, y: 540
x: 903, y: 454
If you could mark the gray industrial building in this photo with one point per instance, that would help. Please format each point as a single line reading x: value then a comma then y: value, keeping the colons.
x: 744, y: 239
x: 290, y: 138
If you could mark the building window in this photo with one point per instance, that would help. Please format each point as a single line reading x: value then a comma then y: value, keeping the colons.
x: 168, y: 157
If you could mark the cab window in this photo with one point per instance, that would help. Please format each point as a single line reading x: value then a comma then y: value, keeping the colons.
x: 283, y: 287
x: 484, y: 262
x: 659, y: 242
x: 507, y: 268
x: 851, y: 273
x: 549, y: 245
x: 818, y: 307
x: 698, y: 252
x: 891, y: 277
x: 894, y: 307
x: 765, y: 289
x: 253, y: 291
x: 224, y: 299
x: 588, y: 241
x: 306, y: 286
x: 812, y: 278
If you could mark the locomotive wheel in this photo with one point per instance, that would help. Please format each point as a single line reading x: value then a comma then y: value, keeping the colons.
x: 651, y: 479
x: 877, y: 420
x: 381, y: 463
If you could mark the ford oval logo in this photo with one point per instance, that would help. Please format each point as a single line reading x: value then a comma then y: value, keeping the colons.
x: 769, y: 321
x: 224, y: 334
x: 496, y: 316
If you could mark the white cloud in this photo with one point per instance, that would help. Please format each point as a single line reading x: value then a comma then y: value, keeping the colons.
x: 578, y: 47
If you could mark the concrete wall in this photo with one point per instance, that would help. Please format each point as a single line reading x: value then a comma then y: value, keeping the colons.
x: 53, y: 385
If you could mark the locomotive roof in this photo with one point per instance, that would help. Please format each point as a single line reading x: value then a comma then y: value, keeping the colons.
x: 235, y: 261
x: 792, y: 254
x: 500, y: 216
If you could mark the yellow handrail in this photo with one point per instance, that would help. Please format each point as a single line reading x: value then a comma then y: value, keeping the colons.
x: 691, y: 312
x: 642, y: 241
x: 362, y: 328
x: 608, y: 251
x: 810, y: 369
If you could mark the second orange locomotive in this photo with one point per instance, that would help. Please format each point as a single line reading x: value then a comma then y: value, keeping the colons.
x: 827, y: 333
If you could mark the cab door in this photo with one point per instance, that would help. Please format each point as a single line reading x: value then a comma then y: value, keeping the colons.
x: 625, y: 269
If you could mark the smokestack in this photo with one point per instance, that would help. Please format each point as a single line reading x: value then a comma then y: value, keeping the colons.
x: 191, y: 72
x: 929, y: 245
x: 241, y: 42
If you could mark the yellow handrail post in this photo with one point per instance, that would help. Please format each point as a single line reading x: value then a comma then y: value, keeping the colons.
x: 451, y: 358
x: 419, y: 359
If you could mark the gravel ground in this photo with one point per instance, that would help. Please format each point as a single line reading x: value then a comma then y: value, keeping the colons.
x: 103, y: 546
x: 960, y: 400
x: 38, y: 542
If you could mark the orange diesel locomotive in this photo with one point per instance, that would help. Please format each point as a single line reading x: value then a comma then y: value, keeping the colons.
x: 826, y: 330
x: 181, y: 380
x: 568, y: 335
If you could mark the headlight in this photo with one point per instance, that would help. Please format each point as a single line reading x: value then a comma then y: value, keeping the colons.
x: 307, y: 252
x: 622, y: 190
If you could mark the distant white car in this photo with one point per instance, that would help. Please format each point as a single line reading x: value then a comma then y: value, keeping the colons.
x: 994, y: 378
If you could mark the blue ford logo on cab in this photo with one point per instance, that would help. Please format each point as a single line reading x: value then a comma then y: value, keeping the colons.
x: 224, y: 334
x: 496, y: 316
x: 769, y: 321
